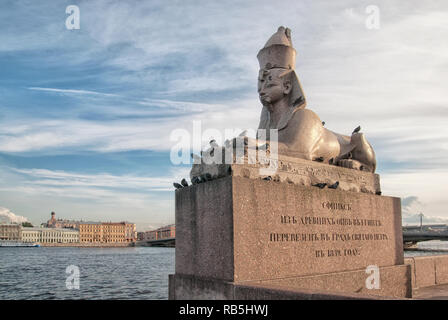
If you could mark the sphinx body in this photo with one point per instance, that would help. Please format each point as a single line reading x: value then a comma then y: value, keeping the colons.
x: 301, y: 132
x: 305, y: 137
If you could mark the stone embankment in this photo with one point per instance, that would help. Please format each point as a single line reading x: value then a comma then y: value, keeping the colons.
x: 88, y: 245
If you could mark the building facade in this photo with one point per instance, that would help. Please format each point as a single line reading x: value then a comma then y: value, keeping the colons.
x: 107, y: 232
x: 49, y: 235
x: 61, y: 223
x: 114, y: 232
x: 130, y: 232
x: 10, y: 231
x: 90, y: 232
x: 166, y: 232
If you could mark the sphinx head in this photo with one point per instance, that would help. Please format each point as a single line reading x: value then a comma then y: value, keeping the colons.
x: 274, y: 85
x: 277, y: 79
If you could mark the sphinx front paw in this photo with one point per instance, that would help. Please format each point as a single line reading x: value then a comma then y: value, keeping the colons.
x: 350, y: 163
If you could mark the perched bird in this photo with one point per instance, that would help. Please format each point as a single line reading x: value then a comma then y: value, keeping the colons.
x: 320, y: 185
x: 177, y: 185
x: 184, y: 182
x: 268, y: 178
x: 196, y: 180
x: 323, y: 123
x: 357, y: 129
x: 206, y: 177
x: 334, y: 185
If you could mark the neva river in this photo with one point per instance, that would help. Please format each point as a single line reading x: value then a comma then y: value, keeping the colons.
x: 432, y: 247
x: 105, y: 273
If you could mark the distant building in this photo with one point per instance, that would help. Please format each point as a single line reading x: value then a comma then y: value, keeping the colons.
x: 10, y: 231
x: 130, y: 232
x: 90, y: 232
x: 61, y: 223
x: 16, y: 232
x: 50, y: 235
x: 107, y: 232
x: 97, y: 232
x: 140, y: 236
x: 166, y: 232
x: 114, y: 232
x: 150, y: 235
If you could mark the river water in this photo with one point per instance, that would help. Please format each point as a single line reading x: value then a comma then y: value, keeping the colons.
x: 104, y: 273
x: 428, y: 248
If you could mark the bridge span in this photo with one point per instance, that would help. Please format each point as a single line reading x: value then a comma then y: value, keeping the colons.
x: 414, y: 234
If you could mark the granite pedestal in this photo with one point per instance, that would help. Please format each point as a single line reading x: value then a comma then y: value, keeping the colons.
x: 236, y: 232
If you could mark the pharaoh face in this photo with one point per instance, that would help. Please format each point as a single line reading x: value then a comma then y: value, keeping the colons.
x: 272, y: 86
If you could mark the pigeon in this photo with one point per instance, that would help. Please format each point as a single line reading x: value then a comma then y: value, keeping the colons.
x: 268, y: 178
x: 206, y: 177
x: 323, y: 123
x: 196, y: 180
x: 177, y: 186
x: 320, y: 185
x: 334, y: 185
x: 184, y: 182
x: 357, y: 129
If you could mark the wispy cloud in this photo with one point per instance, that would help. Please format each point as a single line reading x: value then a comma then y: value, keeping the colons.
x: 73, y: 91
x: 42, y: 177
x: 412, y: 208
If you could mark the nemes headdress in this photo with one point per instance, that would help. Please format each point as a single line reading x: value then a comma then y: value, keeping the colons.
x: 278, y: 52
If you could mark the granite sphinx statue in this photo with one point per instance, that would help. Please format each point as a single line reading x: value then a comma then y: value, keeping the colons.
x: 300, y: 132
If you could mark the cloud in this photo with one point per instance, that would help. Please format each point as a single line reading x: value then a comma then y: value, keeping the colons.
x: 6, y: 216
x: 100, y: 196
x: 72, y: 91
x: 134, y: 128
x: 388, y: 80
x: 67, y: 179
x: 412, y: 208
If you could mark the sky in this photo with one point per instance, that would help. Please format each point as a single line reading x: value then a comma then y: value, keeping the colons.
x: 86, y: 115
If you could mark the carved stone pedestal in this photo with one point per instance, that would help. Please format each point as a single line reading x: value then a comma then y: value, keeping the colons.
x: 242, y: 238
